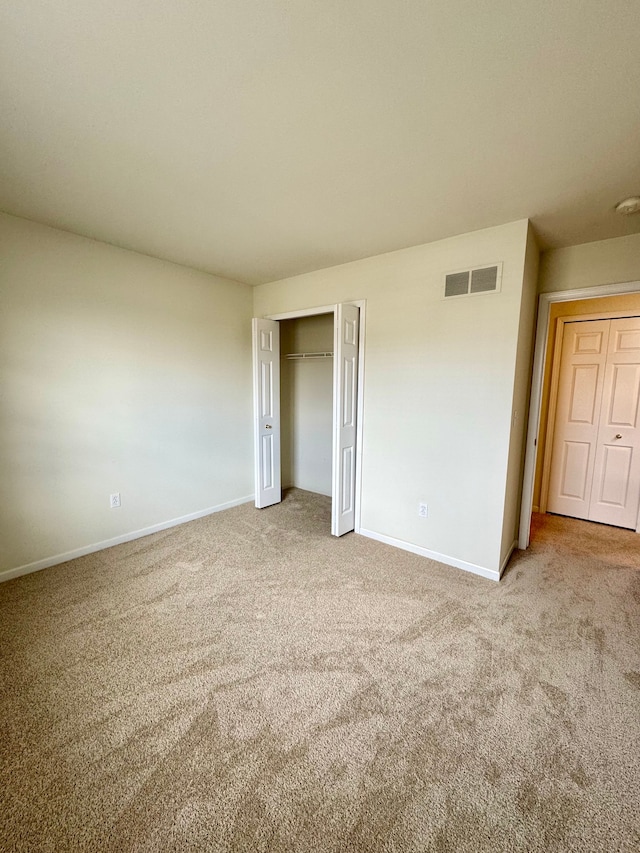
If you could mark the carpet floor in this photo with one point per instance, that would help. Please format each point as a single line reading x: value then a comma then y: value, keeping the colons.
x: 245, y: 682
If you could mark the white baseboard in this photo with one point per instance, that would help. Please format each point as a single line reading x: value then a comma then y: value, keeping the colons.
x: 47, y: 562
x: 491, y: 574
x: 513, y: 547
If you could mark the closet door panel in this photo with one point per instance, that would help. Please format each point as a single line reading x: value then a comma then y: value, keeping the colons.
x: 584, y: 354
x: 616, y: 481
x: 266, y: 412
x: 344, y: 413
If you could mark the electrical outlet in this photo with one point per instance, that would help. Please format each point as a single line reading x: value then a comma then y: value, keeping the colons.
x: 423, y: 510
x: 114, y: 502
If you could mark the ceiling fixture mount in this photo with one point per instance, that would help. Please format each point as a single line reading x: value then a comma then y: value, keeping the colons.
x: 629, y: 205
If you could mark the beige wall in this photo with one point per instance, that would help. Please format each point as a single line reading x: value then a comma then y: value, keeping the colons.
x: 307, y: 404
x: 521, y: 397
x: 438, y: 387
x: 119, y: 373
x: 590, y: 264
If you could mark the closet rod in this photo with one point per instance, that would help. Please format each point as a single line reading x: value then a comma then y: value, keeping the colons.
x: 308, y: 355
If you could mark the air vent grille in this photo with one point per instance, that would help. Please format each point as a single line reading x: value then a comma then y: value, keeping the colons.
x: 476, y: 280
x: 457, y: 284
x: 484, y: 280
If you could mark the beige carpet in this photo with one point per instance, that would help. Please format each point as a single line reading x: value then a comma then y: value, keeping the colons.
x: 247, y: 683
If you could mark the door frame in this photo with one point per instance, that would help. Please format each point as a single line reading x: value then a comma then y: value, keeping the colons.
x: 331, y: 309
x: 535, y: 405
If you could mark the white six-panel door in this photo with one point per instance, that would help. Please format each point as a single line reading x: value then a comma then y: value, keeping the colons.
x: 266, y: 411
x: 584, y: 354
x: 615, y: 494
x: 345, y: 406
x: 595, y: 466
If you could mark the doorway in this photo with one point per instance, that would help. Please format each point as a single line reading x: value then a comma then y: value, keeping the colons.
x: 604, y: 301
x: 292, y: 363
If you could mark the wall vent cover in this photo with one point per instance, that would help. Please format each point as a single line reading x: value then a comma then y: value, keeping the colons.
x: 484, y: 279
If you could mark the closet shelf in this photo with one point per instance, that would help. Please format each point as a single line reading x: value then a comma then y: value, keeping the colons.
x: 308, y: 355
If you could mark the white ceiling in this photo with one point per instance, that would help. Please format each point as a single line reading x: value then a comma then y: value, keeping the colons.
x: 261, y: 138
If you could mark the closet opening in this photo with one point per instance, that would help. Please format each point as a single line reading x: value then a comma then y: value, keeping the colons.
x: 306, y: 403
x: 308, y: 393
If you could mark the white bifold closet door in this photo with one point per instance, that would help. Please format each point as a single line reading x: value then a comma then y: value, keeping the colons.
x: 595, y: 464
x: 345, y: 407
x: 266, y: 412
x: 266, y: 396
